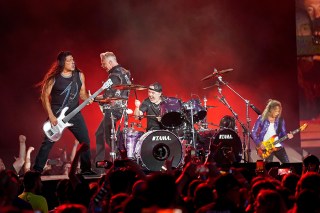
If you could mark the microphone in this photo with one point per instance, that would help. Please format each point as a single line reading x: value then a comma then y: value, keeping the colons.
x: 255, y: 109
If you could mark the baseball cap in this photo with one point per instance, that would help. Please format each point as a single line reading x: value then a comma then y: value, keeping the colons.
x: 156, y: 87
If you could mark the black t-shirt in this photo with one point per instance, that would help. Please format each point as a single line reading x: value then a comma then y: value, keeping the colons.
x: 151, y: 109
x: 65, y: 92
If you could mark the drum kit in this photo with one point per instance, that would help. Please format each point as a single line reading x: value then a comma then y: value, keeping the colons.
x: 179, y: 119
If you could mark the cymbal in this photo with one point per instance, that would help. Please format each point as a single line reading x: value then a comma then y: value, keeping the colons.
x: 214, y: 85
x: 143, y: 116
x: 129, y: 87
x: 108, y: 100
x: 216, y: 72
x: 211, y: 107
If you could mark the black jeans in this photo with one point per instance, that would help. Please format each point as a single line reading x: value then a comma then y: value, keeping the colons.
x: 103, y: 133
x: 281, y: 154
x: 80, y: 131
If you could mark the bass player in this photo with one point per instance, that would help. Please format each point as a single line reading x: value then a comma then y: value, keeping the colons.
x: 62, y: 87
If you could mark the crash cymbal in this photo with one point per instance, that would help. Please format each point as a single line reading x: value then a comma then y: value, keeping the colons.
x: 216, y: 73
x: 129, y: 87
x: 108, y: 100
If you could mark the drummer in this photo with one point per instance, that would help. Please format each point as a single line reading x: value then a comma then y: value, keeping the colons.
x: 151, y: 106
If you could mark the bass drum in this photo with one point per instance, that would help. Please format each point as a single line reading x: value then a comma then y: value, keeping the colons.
x: 229, y: 140
x: 154, y: 147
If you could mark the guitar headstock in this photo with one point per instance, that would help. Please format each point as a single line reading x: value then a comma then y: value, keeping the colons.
x: 303, y: 127
x: 107, y: 84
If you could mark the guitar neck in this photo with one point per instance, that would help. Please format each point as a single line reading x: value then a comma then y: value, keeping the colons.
x: 286, y: 137
x: 81, y: 106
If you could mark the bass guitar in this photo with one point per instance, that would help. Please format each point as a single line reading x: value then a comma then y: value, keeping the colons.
x: 265, y: 148
x: 54, y: 133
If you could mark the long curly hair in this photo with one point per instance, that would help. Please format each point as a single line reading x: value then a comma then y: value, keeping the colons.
x: 271, y: 104
x: 55, y: 69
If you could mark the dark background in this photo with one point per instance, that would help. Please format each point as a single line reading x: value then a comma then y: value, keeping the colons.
x: 174, y: 42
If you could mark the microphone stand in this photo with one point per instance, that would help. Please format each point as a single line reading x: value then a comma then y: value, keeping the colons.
x: 246, y: 133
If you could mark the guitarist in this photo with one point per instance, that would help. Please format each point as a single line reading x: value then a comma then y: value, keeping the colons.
x: 268, y: 124
x: 118, y: 75
x: 61, y: 87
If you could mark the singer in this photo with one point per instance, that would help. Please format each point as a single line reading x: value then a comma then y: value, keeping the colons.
x: 118, y: 75
x: 268, y: 124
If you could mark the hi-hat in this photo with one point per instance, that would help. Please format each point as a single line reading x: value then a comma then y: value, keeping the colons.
x: 108, y: 100
x: 129, y: 87
x: 216, y: 73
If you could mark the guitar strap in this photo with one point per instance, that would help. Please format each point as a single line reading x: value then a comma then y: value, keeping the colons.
x: 73, y: 87
x: 279, y: 126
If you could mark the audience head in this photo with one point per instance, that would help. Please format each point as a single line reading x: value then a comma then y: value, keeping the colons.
x: 290, y: 181
x: 32, y: 182
x: 161, y: 190
x: 311, y: 164
x: 9, y: 187
x: 71, y: 208
x: 269, y: 201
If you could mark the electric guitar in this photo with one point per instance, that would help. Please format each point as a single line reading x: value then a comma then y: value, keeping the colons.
x: 269, y: 145
x: 54, y: 133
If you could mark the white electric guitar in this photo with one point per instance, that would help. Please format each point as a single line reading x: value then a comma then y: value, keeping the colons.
x: 54, y: 133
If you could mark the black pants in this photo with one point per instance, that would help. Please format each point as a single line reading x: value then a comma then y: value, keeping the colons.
x: 80, y: 131
x: 103, y: 133
x: 281, y: 154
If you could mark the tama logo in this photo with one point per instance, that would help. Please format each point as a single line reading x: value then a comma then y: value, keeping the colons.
x: 161, y: 138
x: 225, y: 137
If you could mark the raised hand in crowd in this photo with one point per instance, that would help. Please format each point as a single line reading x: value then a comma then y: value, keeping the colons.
x: 19, y: 162
x: 27, y: 164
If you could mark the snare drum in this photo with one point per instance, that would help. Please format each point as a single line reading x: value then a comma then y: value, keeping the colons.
x: 171, y: 112
x: 154, y: 147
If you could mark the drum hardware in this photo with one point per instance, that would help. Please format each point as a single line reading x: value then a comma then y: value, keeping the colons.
x: 189, y: 107
x: 129, y: 87
x: 113, y: 138
x: 246, y: 133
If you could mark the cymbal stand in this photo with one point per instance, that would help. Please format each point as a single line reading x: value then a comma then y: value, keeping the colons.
x: 190, y: 107
x: 246, y: 133
x: 124, y: 119
x: 113, y: 138
x: 204, y: 122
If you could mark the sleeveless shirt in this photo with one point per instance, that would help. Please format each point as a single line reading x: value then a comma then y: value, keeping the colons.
x: 65, y: 92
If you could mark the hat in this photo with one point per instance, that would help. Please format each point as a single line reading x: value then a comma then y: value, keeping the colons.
x: 156, y: 87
